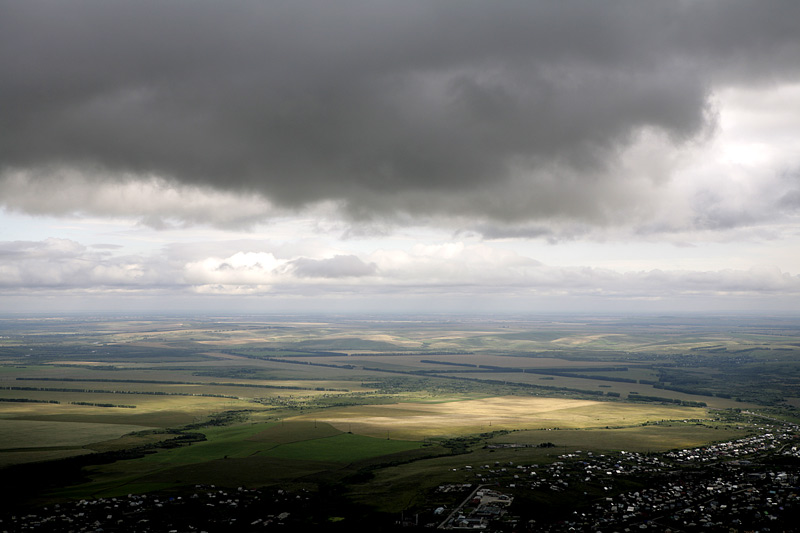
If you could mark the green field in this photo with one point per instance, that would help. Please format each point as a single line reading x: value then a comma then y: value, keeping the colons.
x: 388, y: 408
x: 258, y: 454
x: 651, y: 438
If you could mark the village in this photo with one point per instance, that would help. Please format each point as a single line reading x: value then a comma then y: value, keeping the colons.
x: 208, y: 508
x: 749, y: 484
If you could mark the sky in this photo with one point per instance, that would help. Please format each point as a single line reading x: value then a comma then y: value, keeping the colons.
x: 399, y: 156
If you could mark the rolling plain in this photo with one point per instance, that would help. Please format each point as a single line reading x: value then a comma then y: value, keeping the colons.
x: 380, y: 411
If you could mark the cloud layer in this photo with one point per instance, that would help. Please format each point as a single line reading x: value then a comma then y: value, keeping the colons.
x: 476, y: 271
x: 512, y: 114
x: 316, y: 150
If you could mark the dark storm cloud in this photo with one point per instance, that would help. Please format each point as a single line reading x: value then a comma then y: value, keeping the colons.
x: 415, y: 106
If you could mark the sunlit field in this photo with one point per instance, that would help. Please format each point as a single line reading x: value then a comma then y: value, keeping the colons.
x: 414, y: 421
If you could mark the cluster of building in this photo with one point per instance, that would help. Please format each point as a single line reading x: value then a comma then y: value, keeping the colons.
x: 749, y: 484
x: 733, y: 501
x: 208, y: 509
x: 483, y: 507
x: 732, y: 449
x: 571, y: 469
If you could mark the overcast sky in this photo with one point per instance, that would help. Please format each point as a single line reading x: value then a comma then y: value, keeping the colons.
x: 457, y: 155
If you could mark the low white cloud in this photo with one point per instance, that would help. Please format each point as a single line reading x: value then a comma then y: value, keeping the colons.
x: 339, y: 266
x: 450, y: 264
x: 63, y: 264
x: 446, y: 269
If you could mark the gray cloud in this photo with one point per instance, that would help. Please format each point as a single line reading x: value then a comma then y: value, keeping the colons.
x: 511, y: 112
x: 791, y: 200
x: 340, y: 266
x: 61, y: 268
x: 64, y: 264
